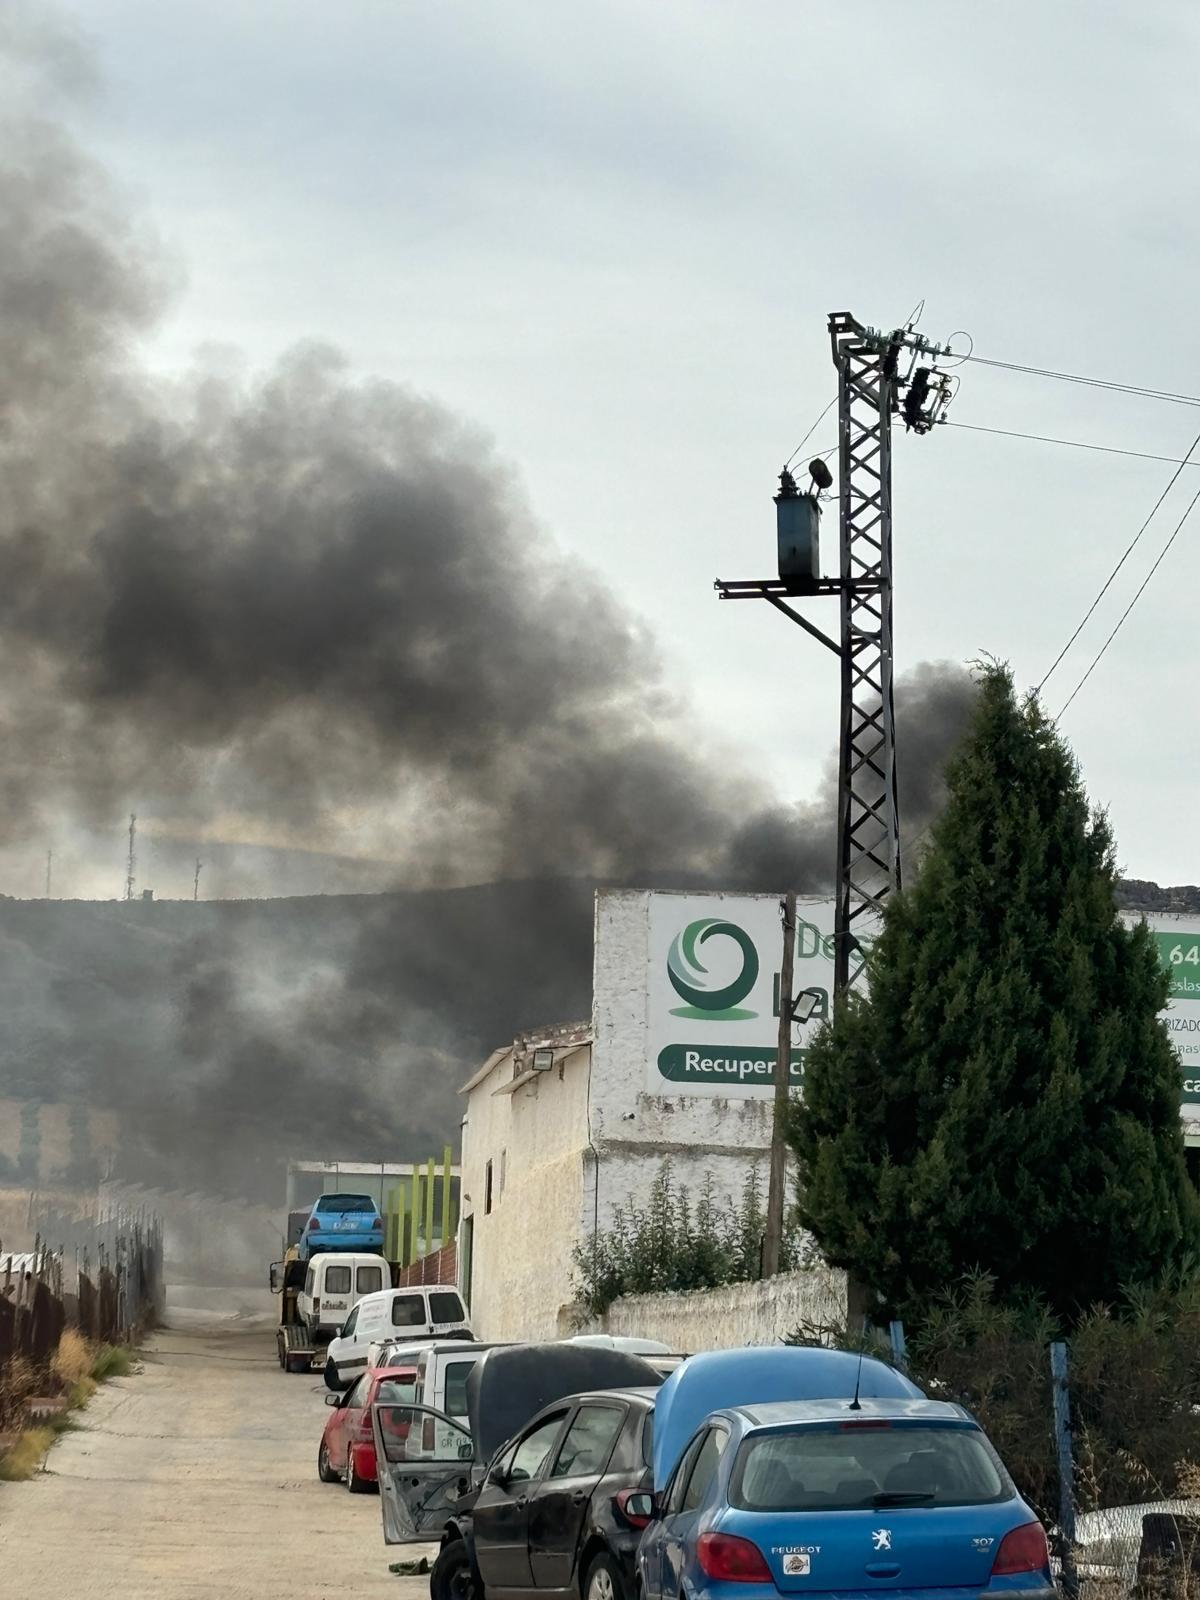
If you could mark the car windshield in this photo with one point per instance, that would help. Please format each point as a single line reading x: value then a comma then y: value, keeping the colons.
x: 850, y: 1467
x: 345, y: 1202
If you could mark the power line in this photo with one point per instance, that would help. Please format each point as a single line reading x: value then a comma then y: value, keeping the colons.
x: 1133, y: 602
x: 1074, y: 444
x: 1143, y: 391
x: 1171, y: 482
x: 809, y: 434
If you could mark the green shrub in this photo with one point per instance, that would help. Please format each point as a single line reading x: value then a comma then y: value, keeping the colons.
x: 671, y: 1245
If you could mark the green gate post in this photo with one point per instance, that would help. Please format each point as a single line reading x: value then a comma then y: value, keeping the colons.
x: 429, y: 1182
x: 415, y: 1251
x: 447, y: 1211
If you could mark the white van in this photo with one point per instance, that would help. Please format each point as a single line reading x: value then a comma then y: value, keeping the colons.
x: 417, y: 1313
x: 334, y: 1283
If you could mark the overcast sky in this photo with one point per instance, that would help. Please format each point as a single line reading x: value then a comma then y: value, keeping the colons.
x: 611, y: 234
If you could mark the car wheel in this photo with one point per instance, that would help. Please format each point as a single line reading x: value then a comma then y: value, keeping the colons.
x: 332, y: 1381
x: 453, y: 1577
x: 325, y: 1468
x: 603, y: 1581
x: 354, y: 1483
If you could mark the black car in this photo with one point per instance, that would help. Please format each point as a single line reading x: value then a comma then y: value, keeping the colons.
x: 553, y: 1514
x: 535, y: 1500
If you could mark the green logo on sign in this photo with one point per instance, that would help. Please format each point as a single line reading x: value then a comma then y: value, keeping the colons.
x: 692, y: 981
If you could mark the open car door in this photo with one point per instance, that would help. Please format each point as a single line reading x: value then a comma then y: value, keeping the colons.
x: 423, y: 1461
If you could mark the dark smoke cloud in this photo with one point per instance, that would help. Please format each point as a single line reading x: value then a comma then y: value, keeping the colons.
x: 314, y: 610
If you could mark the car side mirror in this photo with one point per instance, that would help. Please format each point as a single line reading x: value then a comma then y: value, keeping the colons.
x: 276, y: 1277
x: 640, y: 1507
x: 497, y: 1476
x: 333, y: 1399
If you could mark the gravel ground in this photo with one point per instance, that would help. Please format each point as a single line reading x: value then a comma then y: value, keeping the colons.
x: 197, y: 1477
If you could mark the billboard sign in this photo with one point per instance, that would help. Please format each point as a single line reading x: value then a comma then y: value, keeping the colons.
x: 712, y: 1006
x: 713, y: 1018
x: 1178, y: 941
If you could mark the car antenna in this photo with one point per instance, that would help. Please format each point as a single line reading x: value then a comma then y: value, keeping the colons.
x: 855, y: 1404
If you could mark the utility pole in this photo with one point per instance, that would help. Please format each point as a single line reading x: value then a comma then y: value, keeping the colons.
x: 777, y: 1181
x: 49, y: 859
x: 878, y: 375
x: 130, y: 872
x: 196, y: 880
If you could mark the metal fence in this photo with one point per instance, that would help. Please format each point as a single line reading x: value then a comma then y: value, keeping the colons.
x: 103, y: 1277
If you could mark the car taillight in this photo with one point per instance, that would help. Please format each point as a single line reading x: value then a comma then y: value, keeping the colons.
x: 364, y: 1427
x: 732, y: 1560
x: 1022, y: 1550
x: 316, y: 1304
x: 427, y: 1439
x: 635, y: 1519
x: 313, y: 1223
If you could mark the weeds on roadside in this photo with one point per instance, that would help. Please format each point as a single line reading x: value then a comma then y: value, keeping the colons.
x: 112, y: 1361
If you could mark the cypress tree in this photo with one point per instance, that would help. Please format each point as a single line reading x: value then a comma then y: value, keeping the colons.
x: 1005, y: 1097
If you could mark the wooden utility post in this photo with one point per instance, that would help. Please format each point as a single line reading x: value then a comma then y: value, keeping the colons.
x: 777, y: 1185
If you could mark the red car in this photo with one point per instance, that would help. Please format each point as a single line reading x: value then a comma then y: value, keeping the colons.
x: 347, y: 1446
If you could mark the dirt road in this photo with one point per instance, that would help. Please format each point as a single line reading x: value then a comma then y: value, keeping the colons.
x: 197, y: 1478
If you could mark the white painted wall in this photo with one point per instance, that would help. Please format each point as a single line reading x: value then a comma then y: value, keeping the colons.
x: 742, y: 1313
x: 537, y: 1138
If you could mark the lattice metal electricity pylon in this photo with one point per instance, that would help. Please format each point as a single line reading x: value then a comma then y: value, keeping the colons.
x: 871, y: 387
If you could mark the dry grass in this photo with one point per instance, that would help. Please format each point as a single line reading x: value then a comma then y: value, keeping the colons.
x: 27, y: 1455
x: 78, y: 1368
x: 73, y: 1359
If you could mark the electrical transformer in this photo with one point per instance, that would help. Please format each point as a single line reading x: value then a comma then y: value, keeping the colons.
x: 798, y: 521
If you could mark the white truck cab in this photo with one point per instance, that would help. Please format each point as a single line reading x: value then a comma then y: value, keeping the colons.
x: 335, y: 1282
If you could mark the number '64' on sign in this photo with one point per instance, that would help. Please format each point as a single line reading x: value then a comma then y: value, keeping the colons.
x: 1185, y: 952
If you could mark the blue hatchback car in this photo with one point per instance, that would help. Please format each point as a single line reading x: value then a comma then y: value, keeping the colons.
x: 903, y: 1496
x: 342, y: 1222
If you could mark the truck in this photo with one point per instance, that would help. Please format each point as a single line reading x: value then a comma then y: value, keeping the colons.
x: 316, y: 1297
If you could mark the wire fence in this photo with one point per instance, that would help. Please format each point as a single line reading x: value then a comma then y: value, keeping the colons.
x: 102, y: 1277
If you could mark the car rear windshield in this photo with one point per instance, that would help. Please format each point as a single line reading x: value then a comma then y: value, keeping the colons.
x: 851, y: 1467
x: 396, y: 1391
x: 369, y: 1280
x: 345, y: 1202
x: 408, y: 1311
x: 446, y: 1307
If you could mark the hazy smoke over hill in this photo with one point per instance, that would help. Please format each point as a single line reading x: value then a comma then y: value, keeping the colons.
x: 316, y: 609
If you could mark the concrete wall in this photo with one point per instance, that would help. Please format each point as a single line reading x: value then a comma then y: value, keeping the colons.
x: 719, y: 1319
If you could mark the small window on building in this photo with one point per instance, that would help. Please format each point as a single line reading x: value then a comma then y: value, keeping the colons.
x: 487, y: 1189
x: 503, y: 1169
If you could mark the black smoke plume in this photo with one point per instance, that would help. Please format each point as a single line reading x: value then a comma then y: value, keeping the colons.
x: 312, y: 608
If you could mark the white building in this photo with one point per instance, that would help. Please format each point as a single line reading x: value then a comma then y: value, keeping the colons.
x: 565, y: 1125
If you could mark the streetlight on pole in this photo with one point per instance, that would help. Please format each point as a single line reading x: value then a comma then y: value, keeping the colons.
x: 790, y: 1011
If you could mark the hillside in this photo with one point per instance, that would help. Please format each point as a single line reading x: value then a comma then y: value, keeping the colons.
x: 228, y: 1035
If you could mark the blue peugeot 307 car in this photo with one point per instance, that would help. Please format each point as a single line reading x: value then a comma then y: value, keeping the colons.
x: 342, y: 1222
x: 905, y: 1496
